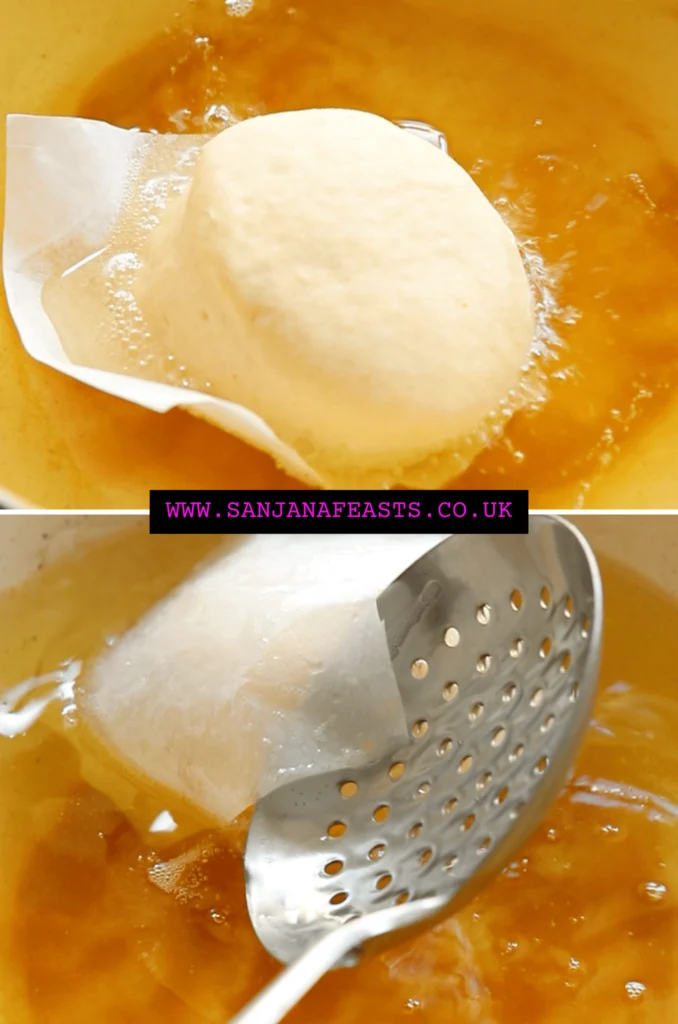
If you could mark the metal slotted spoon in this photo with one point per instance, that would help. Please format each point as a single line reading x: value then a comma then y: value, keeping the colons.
x: 495, y: 646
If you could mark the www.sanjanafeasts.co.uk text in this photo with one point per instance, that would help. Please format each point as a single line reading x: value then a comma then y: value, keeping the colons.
x: 339, y: 511
x: 332, y: 510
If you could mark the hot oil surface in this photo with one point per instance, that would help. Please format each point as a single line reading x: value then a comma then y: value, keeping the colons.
x: 580, y: 182
x: 103, y: 919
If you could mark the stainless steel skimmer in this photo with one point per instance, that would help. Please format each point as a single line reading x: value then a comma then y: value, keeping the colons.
x: 495, y: 645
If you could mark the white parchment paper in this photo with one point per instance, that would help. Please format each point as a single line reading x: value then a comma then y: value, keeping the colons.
x: 66, y: 178
x: 269, y: 664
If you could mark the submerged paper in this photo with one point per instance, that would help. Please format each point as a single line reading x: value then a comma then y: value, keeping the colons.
x: 74, y: 187
x: 67, y: 179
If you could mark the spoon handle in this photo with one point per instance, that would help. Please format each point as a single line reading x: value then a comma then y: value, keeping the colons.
x: 285, y: 991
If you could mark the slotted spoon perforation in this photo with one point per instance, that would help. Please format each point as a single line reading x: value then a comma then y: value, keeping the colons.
x: 494, y: 643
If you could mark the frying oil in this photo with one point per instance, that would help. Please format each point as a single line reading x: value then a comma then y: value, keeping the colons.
x: 586, y: 189
x: 117, y: 903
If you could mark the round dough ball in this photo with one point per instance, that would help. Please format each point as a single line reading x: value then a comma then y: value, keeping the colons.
x: 349, y: 283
